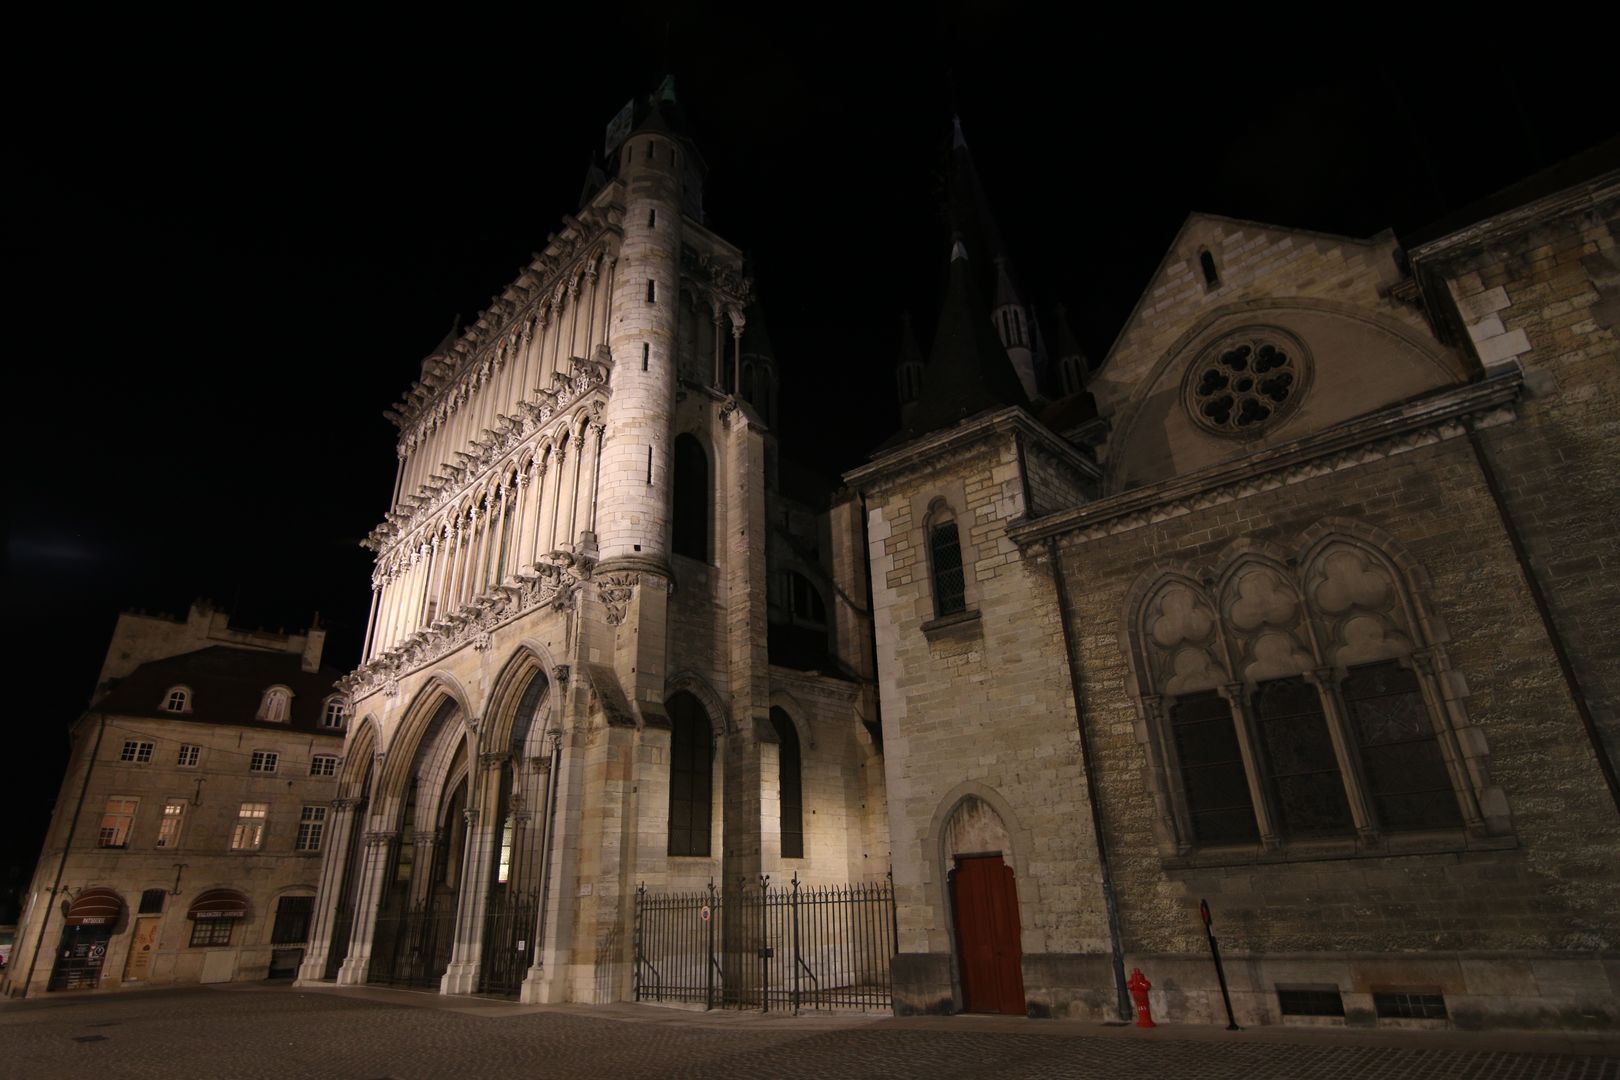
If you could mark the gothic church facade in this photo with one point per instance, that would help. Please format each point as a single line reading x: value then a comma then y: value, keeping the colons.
x: 568, y: 690
x: 1297, y: 609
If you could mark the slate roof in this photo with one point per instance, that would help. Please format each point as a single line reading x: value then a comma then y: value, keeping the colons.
x: 968, y: 371
x: 227, y: 686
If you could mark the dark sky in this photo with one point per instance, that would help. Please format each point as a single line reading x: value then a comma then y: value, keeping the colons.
x: 229, y: 248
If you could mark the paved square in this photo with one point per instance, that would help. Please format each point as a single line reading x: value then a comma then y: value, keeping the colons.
x: 278, y: 1032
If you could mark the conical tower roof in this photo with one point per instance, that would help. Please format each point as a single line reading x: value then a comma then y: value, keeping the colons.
x: 968, y: 371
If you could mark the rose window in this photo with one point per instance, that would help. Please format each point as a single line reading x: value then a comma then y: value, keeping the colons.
x: 1246, y: 381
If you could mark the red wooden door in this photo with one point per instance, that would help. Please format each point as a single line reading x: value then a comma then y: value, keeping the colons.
x: 985, y: 899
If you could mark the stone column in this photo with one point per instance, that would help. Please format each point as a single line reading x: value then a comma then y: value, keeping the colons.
x: 523, y: 522
x: 484, y: 827
x: 374, y: 877
x: 1249, y: 747
x: 1345, y: 753
x: 334, y: 863
x: 371, y: 621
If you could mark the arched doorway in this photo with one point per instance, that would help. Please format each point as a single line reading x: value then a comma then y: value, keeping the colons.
x: 519, y: 852
x: 416, y: 914
x: 984, y: 909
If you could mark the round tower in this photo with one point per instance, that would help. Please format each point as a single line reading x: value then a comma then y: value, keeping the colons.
x: 633, y: 508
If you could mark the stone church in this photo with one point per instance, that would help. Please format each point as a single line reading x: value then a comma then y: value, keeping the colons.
x: 1293, y: 611
x: 606, y: 651
x: 1293, y: 604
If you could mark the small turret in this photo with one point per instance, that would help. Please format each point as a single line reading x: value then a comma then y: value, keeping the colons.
x: 1013, y: 325
x: 1071, y: 358
x: 908, y: 373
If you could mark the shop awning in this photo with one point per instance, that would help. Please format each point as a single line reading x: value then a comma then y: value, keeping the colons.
x: 219, y: 904
x: 95, y: 907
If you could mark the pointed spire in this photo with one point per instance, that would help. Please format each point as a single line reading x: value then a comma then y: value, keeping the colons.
x: 1006, y: 291
x: 968, y: 371
x: 958, y: 140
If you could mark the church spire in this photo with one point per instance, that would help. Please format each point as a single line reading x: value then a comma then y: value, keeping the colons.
x: 968, y: 370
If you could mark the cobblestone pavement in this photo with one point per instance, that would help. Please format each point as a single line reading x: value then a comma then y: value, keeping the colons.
x: 280, y: 1032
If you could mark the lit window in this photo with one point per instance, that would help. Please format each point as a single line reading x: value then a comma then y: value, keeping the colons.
x: 311, y: 824
x: 169, y: 825
x: 138, y: 752
x: 178, y: 699
x: 332, y: 715
x: 188, y: 755
x: 116, y: 821
x: 249, y: 832
x: 264, y: 761
x: 275, y: 707
x: 211, y: 932
x: 323, y: 765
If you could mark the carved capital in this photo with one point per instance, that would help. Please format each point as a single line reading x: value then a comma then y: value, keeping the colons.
x: 560, y: 672
x: 340, y: 805
x: 379, y: 837
x: 493, y: 758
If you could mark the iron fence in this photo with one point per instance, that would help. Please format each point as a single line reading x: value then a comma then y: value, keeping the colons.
x: 509, y: 946
x: 792, y: 947
x: 411, y: 946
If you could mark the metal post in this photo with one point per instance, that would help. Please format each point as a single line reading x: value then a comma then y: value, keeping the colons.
x: 708, y: 969
x: 1220, y: 972
x: 641, y: 898
x: 793, y: 913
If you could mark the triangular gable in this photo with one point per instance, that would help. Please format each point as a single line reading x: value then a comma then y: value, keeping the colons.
x: 1253, y: 260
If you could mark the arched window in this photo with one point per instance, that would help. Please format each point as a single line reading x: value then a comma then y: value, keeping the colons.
x: 945, y: 562
x: 790, y: 784
x: 691, y: 776
x: 332, y: 713
x: 691, y: 495
x: 178, y: 699
x: 276, y: 707
x: 1296, y: 701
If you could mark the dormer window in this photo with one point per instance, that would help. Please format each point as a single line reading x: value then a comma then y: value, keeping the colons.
x: 178, y: 699
x: 332, y: 714
x: 276, y: 707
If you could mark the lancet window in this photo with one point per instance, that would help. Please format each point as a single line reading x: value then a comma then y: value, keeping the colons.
x: 1300, y: 700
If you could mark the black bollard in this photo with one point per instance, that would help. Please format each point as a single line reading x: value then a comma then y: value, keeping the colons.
x: 1220, y: 972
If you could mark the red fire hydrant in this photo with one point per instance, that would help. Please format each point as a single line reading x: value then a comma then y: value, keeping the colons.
x: 1139, y: 987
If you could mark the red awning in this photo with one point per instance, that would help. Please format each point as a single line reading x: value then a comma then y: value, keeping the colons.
x: 95, y: 907
x: 219, y: 904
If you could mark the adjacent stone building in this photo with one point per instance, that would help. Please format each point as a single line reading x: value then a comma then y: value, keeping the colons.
x: 186, y: 841
x: 1298, y: 607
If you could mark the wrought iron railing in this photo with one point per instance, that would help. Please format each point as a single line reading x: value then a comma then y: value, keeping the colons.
x: 509, y: 945
x: 790, y: 948
x: 411, y: 946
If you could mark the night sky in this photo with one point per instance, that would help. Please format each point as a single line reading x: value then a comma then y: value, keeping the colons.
x: 227, y: 259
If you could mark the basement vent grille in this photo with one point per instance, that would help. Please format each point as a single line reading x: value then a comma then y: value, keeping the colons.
x: 1310, y: 1001
x: 1407, y: 1005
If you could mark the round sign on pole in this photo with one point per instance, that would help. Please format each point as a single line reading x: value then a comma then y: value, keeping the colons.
x: 703, y: 913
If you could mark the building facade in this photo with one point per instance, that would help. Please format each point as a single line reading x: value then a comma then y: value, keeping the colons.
x: 186, y: 842
x: 606, y: 649
x: 1297, y: 609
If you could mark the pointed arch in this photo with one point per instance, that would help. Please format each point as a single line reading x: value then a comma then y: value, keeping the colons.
x: 441, y: 691
x: 357, y: 759
x: 520, y: 699
x: 714, y: 705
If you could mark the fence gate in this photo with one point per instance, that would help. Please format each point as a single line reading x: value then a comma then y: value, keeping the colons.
x: 412, y: 945
x: 509, y: 946
x: 788, y: 948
